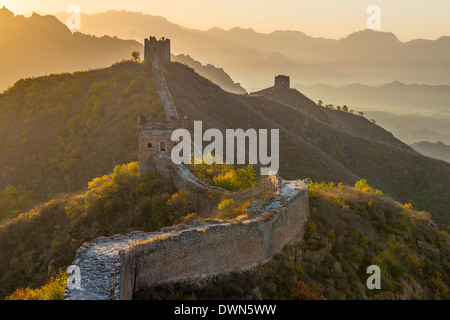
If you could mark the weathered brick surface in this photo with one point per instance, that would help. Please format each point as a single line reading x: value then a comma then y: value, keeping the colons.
x: 215, y: 249
x: 114, y: 267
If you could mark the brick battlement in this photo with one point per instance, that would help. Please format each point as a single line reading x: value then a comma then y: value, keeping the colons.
x: 282, y: 81
x: 161, y: 48
x: 151, y: 123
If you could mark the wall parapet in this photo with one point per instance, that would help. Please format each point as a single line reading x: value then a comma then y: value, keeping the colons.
x: 118, y: 266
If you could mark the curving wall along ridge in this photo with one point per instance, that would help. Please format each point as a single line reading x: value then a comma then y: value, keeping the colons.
x: 216, y: 249
x: 118, y: 266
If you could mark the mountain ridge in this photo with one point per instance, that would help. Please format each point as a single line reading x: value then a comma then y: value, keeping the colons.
x: 366, y: 56
x: 315, y: 142
x: 98, y: 110
x: 43, y: 45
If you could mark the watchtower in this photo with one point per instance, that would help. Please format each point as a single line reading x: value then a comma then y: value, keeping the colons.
x: 282, y: 81
x: 155, y: 139
x: 159, y: 47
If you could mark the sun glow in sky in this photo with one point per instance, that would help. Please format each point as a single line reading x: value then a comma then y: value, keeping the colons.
x: 408, y: 19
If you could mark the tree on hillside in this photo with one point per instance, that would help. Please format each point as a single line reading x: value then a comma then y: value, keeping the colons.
x: 345, y: 108
x: 136, y: 55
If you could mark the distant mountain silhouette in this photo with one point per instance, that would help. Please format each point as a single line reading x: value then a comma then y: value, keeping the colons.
x: 216, y: 75
x: 40, y: 45
x: 366, y: 56
x: 422, y: 135
x: 436, y: 150
x: 411, y: 128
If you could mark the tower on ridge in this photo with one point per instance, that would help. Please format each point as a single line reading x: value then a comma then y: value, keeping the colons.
x: 155, y: 139
x: 159, y: 47
x: 282, y: 81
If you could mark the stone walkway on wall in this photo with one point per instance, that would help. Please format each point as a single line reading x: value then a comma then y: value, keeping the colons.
x: 99, y: 260
x: 99, y: 264
x: 163, y: 90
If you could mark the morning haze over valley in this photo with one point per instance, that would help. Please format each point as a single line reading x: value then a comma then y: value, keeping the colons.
x: 341, y: 169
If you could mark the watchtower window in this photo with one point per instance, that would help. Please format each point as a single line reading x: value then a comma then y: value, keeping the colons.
x: 149, y: 145
x: 162, y: 146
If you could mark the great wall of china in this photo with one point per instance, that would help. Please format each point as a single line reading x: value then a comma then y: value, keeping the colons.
x: 114, y: 268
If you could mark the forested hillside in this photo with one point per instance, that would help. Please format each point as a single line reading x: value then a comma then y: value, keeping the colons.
x: 348, y: 230
x: 61, y: 131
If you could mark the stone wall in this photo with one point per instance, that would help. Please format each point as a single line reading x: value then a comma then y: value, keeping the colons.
x: 282, y: 81
x: 116, y: 267
x: 214, y: 249
x: 161, y: 48
x: 152, y: 134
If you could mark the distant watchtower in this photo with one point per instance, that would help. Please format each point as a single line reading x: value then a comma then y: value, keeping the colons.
x: 282, y: 82
x: 155, y: 139
x: 159, y: 47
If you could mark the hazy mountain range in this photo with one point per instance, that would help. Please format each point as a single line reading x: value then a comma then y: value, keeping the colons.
x: 411, y: 128
x: 67, y: 124
x: 50, y: 47
x: 216, y: 75
x: 252, y: 58
x: 436, y: 150
x: 58, y: 132
x: 41, y: 45
x: 395, y: 96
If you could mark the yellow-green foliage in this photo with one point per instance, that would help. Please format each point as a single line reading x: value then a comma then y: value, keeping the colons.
x: 408, y: 206
x: 231, y: 209
x: 315, y: 186
x: 373, y: 229
x: 225, y: 203
x: 243, y: 182
x: 60, y: 131
x: 338, y: 246
x: 50, y: 234
x: 239, y: 179
x: 225, y: 175
x: 363, y: 186
x: 52, y: 290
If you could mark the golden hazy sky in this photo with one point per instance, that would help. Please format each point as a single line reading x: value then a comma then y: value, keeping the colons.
x: 408, y: 19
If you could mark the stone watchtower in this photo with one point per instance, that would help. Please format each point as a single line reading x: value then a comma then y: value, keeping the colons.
x: 161, y: 48
x: 155, y: 139
x: 282, y: 82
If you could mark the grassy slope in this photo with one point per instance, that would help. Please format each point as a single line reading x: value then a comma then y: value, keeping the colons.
x: 58, y: 132
x: 319, y: 143
x: 61, y: 131
x: 38, y: 243
x: 347, y: 231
